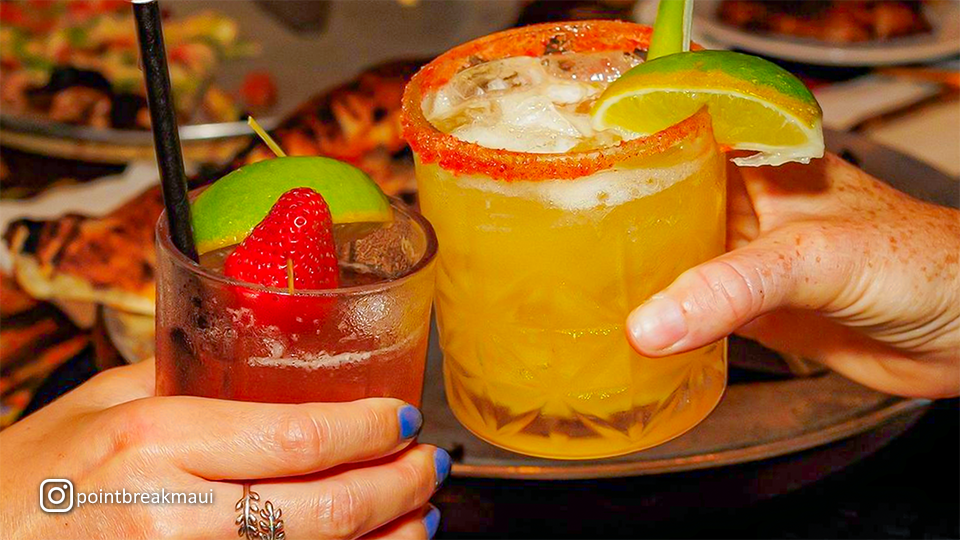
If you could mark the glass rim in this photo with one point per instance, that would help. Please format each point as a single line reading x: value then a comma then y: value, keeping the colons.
x: 165, y: 245
x: 461, y: 157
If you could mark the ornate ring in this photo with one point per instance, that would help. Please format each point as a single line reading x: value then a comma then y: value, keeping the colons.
x: 257, y: 523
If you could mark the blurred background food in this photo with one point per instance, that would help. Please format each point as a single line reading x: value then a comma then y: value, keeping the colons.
x: 71, y: 86
x: 357, y: 122
x: 838, y: 21
x: 76, y: 62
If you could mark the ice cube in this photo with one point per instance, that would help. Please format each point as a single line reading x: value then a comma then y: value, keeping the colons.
x: 527, y: 104
x: 525, y: 122
x: 536, y: 111
x: 562, y: 92
x: 483, y: 80
x: 599, y: 67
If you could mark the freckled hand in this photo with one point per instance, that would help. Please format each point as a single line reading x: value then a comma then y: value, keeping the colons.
x: 830, y: 264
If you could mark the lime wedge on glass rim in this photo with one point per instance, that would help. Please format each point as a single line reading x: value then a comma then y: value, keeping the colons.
x: 226, y: 212
x: 755, y: 104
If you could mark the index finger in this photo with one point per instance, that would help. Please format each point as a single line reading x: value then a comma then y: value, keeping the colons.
x: 230, y: 440
x: 113, y: 387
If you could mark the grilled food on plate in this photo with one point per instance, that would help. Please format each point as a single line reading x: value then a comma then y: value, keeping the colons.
x: 108, y: 260
x: 76, y: 62
x: 357, y: 122
x: 840, y: 21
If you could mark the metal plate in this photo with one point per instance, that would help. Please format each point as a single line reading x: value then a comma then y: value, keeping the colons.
x: 760, y: 417
x: 301, y: 58
x: 943, y: 41
x: 756, y: 420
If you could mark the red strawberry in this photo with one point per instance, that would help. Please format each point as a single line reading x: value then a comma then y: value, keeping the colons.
x: 294, y: 240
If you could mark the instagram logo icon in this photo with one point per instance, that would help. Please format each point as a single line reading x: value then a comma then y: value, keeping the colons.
x: 56, y: 495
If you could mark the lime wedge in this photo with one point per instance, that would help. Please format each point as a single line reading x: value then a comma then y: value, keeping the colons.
x: 226, y: 212
x: 755, y: 104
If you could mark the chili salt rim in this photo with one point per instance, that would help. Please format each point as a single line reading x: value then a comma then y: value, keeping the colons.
x: 461, y: 157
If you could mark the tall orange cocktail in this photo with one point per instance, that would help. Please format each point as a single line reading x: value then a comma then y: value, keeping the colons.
x: 551, y: 232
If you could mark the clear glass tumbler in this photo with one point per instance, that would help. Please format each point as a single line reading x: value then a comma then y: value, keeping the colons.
x: 222, y: 338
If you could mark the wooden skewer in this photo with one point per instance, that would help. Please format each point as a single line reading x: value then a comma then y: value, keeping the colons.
x: 265, y: 137
x: 290, y: 275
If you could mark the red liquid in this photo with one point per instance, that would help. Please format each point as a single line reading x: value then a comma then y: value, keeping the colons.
x: 212, y: 341
x: 395, y: 372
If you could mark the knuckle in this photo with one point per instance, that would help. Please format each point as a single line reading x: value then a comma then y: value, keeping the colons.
x: 341, y: 511
x: 806, y: 240
x: 375, y: 424
x: 816, y: 257
x: 104, y: 378
x: 412, y: 528
x: 371, y: 422
x: 726, y: 288
x: 131, y: 424
x: 128, y: 521
x: 299, y: 436
x: 418, y: 477
x: 156, y: 521
x: 423, y: 473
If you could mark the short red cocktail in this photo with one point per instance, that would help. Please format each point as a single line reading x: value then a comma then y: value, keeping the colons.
x: 222, y: 338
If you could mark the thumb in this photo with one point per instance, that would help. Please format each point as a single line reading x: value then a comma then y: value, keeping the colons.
x: 712, y: 300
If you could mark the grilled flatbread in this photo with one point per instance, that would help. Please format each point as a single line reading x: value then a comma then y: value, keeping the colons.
x: 109, y: 260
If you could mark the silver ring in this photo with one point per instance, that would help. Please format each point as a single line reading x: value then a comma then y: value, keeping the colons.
x: 255, y: 523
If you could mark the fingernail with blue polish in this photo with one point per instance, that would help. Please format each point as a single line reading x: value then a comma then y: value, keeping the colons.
x: 431, y: 521
x: 410, y: 421
x: 441, y: 463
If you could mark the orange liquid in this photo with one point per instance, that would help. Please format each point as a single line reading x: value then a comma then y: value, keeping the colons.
x: 535, y: 282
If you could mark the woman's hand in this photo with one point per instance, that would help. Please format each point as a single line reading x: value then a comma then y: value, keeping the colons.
x: 336, y: 470
x: 830, y: 264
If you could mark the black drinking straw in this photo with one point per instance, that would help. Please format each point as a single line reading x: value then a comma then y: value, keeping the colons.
x: 166, y: 137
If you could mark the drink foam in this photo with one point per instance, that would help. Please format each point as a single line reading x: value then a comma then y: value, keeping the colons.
x: 527, y: 104
x: 609, y: 188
